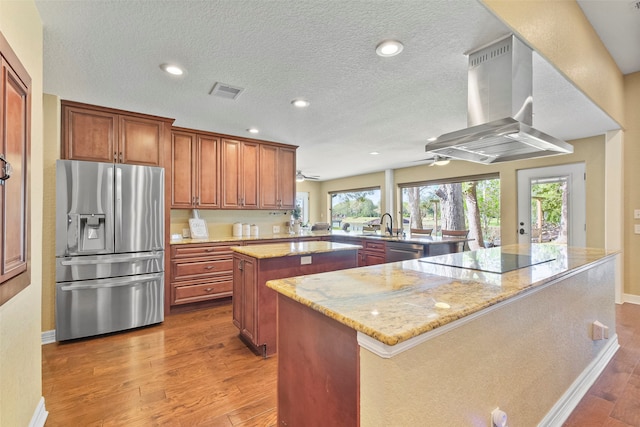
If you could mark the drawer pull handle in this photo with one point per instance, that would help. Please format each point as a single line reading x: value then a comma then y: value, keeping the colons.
x: 208, y: 267
x: 208, y: 250
x: 208, y: 289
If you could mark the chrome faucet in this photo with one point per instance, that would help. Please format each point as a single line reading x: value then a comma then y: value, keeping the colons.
x: 390, y: 226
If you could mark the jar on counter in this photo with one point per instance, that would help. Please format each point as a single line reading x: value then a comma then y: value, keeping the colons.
x: 246, y: 230
x: 254, y: 230
x: 237, y: 229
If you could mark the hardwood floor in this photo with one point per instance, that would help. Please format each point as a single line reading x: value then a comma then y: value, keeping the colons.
x: 193, y: 370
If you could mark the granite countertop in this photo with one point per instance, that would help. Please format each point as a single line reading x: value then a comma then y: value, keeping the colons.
x: 398, y: 301
x: 421, y: 239
x: 278, y: 250
x: 248, y: 239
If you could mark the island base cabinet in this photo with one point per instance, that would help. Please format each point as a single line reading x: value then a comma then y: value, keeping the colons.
x: 254, y: 304
x: 318, y: 369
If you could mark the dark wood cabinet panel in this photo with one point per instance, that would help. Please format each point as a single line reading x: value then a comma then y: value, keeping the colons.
x: 15, y: 127
x: 100, y: 134
x: 254, y: 304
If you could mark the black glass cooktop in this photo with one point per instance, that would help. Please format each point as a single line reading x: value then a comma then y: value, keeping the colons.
x: 492, y: 260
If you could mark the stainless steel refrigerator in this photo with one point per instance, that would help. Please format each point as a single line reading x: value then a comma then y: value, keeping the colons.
x: 109, y: 247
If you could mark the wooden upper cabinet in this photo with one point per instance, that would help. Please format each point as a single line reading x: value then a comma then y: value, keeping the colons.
x: 207, y: 166
x: 89, y: 135
x: 194, y: 171
x: 15, y: 137
x: 277, y: 177
x: 140, y: 141
x: 239, y: 182
x: 183, y: 152
x: 100, y: 134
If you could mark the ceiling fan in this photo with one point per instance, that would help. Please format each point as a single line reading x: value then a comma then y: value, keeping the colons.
x: 301, y: 177
x: 436, y: 160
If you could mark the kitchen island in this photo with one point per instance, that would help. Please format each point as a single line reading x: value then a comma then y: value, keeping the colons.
x: 254, y: 305
x: 424, y: 342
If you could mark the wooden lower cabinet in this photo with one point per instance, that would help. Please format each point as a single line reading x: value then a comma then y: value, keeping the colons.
x: 373, y: 252
x: 254, y: 304
x: 200, y: 272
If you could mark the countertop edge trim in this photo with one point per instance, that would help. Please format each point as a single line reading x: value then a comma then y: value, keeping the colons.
x: 386, y: 351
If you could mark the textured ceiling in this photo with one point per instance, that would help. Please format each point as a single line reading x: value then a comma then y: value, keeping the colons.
x: 108, y: 53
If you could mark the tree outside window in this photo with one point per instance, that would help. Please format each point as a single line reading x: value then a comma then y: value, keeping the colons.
x: 472, y: 204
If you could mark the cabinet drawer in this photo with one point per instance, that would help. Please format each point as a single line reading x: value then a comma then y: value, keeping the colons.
x: 374, y: 246
x: 209, y: 267
x: 202, y: 291
x: 190, y: 251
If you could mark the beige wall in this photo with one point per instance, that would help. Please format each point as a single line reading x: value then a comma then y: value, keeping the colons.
x: 459, y: 377
x: 20, y: 355
x: 51, y: 152
x: 588, y: 150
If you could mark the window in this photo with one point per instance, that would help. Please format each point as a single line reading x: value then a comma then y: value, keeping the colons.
x: 471, y: 203
x: 354, y: 209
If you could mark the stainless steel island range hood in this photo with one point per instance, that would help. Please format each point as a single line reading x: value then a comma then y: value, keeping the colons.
x: 499, y: 110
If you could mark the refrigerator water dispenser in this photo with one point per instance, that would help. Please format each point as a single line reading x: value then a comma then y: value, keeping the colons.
x: 92, y: 233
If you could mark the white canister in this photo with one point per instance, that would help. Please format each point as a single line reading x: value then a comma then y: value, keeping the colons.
x: 246, y: 230
x: 254, y: 230
x: 237, y: 229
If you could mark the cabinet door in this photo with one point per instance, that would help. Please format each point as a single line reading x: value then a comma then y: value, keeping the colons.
x: 286, y: 177
x: 89, y: 134
x: 249, y: 300
x: 230, y: 174
x: 14, y: 134
x: 207, y: 168
x: 140, y: 141
x: 249, y: 174
x: 182, y: 169
x: 240, y: 162
x: 269, y: 197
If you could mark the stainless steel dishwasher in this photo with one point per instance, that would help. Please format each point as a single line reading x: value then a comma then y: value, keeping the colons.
x: 400, y: 251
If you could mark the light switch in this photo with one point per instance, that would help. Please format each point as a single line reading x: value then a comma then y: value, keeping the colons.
x: 636, y: 214
x: 636, y: 228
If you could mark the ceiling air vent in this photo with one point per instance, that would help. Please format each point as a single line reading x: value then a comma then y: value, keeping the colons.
x: 223, y: 90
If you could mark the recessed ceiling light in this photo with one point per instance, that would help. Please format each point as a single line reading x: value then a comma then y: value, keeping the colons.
x: 300, y: 103
x: 433, y: 138
x: 172, y: 69
x: 253, y: 130
x: 389, y: 48
x: 374, y: 153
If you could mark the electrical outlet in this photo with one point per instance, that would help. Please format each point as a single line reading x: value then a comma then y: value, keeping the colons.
x: 276, y: 229
x: 636, y: 214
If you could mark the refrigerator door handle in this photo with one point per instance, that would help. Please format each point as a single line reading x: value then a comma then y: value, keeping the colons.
x: 111, y: 259
x: 118, y: 205
x: 108, y: 283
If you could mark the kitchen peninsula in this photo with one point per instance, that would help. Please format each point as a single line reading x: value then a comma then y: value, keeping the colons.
x: 445, y: 340
x: 254, y: 305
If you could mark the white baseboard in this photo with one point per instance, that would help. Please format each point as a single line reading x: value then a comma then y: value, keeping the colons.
x: 633, y: 299
x: 39, y: 415
x: 48, y: 337
x: 570, y: 399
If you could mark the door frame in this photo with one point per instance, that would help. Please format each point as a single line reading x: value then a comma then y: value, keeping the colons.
x: 576, y: 209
